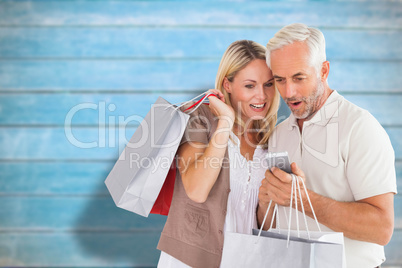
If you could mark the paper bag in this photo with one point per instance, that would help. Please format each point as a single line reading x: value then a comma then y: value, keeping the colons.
x: 267, y: 250
x: 285, y: 247
x: 138, y: 175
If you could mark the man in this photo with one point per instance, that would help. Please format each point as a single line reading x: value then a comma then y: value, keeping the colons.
x: 341, y: 152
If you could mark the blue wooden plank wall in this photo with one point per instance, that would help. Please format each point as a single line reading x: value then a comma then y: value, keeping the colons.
x: 109, y: 60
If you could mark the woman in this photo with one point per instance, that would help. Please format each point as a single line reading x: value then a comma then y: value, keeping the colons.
x: 219, y: 161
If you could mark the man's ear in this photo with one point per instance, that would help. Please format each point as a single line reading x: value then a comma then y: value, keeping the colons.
x: 226, y: 85
x: 324, y: 71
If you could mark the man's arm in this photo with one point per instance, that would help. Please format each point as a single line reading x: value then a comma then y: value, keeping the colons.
x: 370, y: 219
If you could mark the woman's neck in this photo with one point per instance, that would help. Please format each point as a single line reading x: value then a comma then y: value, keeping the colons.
x: 249, y: 134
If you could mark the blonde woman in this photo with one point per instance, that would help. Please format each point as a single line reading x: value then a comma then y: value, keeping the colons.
x: 220, y: 161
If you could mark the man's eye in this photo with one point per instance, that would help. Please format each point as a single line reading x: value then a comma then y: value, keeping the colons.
x: 299, y: 78
x: 279, y: 80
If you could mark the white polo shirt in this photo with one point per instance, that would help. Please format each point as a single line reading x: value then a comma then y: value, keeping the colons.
x: 346, y: 155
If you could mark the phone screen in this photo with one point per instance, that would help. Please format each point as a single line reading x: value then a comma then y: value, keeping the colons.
x: 279, y: 160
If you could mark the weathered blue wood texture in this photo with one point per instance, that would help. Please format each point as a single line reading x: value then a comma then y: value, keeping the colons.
x: 76, y: 75
x: 109, y: 61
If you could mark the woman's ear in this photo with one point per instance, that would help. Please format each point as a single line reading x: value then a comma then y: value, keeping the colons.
x: 226, y: 85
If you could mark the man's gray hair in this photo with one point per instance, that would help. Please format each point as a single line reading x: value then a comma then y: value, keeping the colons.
x: 298, y: 32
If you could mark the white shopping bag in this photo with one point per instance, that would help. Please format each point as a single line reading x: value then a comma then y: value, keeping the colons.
x: 266, y: 250
x: 284, y: 247
x: 138, y: 175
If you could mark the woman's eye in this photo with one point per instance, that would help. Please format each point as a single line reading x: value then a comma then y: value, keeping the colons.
x: 249, y: 86
x: 270, y: 84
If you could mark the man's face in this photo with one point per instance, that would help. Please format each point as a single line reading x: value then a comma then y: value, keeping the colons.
x: 297, y: 81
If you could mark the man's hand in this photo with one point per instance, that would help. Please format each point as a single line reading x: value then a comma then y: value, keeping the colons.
x: 277, y: 186
x: 370, y: 219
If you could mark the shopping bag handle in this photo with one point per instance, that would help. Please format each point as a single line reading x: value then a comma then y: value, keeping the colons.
x: 294, y: 190
x: 199, y: 102
x: 196, y: 104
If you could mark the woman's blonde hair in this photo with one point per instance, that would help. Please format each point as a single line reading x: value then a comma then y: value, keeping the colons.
x: 236, y: 57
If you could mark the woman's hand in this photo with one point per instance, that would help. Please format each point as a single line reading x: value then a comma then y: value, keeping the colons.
x: 201, y: 165
x: 219, y: 107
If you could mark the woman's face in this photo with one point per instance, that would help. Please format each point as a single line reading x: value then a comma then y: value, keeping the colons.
x: 251, y: 91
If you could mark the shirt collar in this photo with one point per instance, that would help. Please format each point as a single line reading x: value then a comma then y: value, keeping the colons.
x: 326, y: 112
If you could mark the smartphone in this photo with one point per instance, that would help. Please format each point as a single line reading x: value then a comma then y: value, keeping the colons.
x: 279, y: 160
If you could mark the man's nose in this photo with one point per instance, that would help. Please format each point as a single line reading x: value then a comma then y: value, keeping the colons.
x: 289, y: 90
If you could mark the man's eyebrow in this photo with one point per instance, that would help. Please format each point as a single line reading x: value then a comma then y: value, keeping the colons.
x: 298, y: 74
